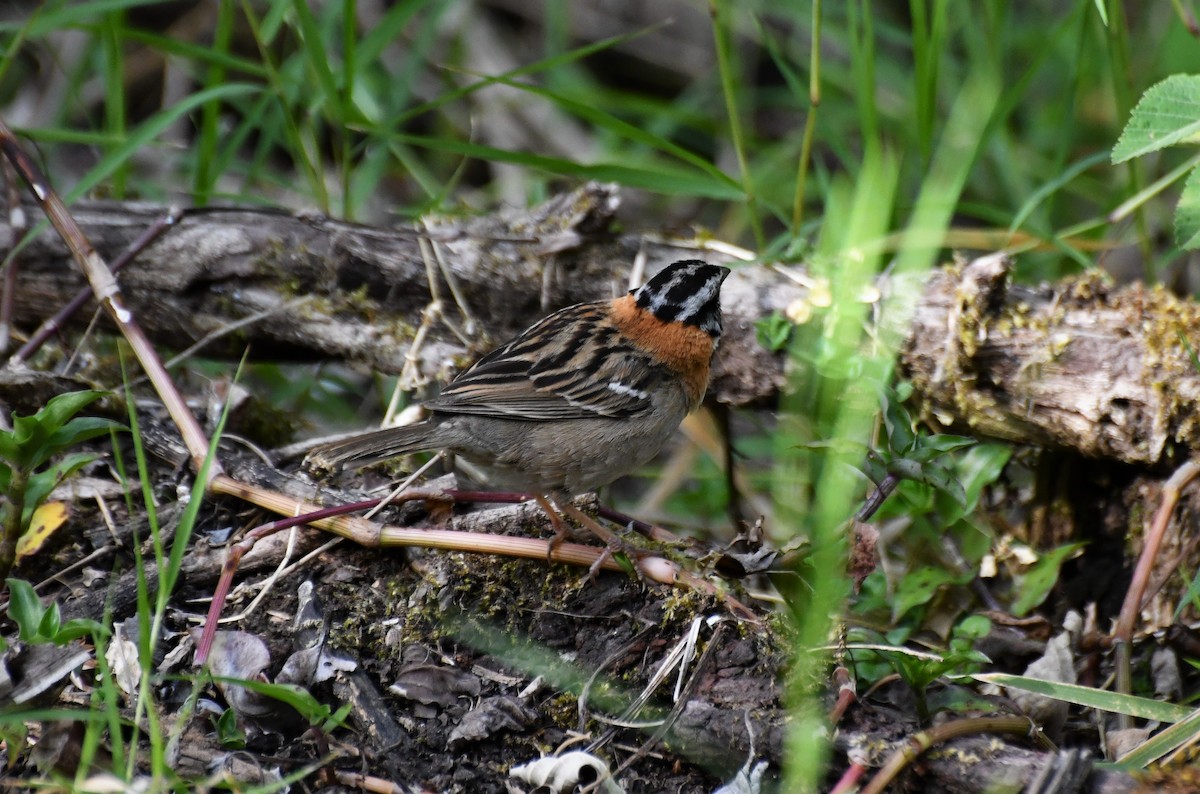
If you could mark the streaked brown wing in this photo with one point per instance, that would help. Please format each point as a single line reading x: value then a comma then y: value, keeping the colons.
x: 567, y: 366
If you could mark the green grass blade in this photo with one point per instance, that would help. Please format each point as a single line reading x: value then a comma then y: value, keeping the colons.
x: 1051, y: 187
x: 730, y: 89
x: 203, y: 176
x: 1132, y: 705
x: 148, y: 131
x: 1184, y: 733
x: 657, y: 178
x: 65, y: 14
x: 624, y: 129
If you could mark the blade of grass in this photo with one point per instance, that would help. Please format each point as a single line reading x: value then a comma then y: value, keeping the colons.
x: 144, y: 613
x: 212, y: 55
x: 305, y: 154
x: 1184, y: 733
x: 928, y: 42
x: 112, y: 46
x: 349, y: 73
x: 848, y: 412
x: 387, y: 30
x: 657, y: 178
x: 1049, y: 188
x: 730, y: 81
x: 148, y: 131
x: 542, y: 65
x: 313, y: 48
x: 624, y: 129
x: 816, y: 497
x: 1089, y: 697
x: 862, y: 66
x: 53, y: 17
x: 203, y: 176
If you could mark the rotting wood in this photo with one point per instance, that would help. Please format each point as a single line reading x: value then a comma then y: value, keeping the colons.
x: 1076, y: 365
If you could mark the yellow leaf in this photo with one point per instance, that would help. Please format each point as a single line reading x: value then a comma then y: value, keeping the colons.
x: 46, y: 519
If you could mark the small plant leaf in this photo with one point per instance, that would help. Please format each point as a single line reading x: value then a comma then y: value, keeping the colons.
x: 1167, y: 114
x: 25, y: 608
x: 773, y: 331
x: 944, y: 442
x: 917, y: 588
x: 40, y: 485
x: 46, y: 519
x: 901, y: 435
x: 229, y: 733
x: 1187, y: 213
x: 60, y: 409
x: 1037, y: 581
x: 300, y: 699
x: 75, y: 628
x: 83, y: 428
x: 8, y: 446
x: 50, y: 623
x: 944, y: 478
x: 1089, y: 697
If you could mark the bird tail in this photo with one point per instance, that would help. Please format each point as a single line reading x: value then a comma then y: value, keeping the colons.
x: 370, y: 447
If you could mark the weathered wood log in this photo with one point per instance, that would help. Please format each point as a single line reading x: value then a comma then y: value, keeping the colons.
x: 313, y: 288
x: 1076, y: 365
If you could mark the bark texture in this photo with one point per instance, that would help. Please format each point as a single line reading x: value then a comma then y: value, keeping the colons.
x: 1075, y: 365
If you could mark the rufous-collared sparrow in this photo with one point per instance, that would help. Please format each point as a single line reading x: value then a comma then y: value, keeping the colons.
x: 582, y: 397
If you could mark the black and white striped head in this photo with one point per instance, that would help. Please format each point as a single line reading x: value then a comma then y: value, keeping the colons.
x: 687, y: 292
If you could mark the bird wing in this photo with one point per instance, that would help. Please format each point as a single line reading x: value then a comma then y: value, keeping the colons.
x: 569, y: 365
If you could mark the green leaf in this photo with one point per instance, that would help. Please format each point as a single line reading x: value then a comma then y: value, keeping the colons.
x: 79, y: 430
x: 657, y: 177
x: 918, y: 587
x: 1040, y: 578
x: 150, y: 131
x: 54, y: 17
x: 901, y: 435
x: 63, y: 407
x: 1187, y: 213
x: 39, y: 485
x: 942, y: 476
x: 773, y: 331
x: 202, y: 55
x: 944, y: 442
x: 1190, y: 597
x: 972, y: 627
x: 34, y: 439
x: 229, y: 734
x: 625, y: 130
x: 28, y: 435
x: 1142, y: 708
x: 1166, y: 115
x: 50, y: 623
x: 317, y: 56
x: 979, y: 466
x: 337, y: 718
x: 8, y: 446
x: 79, y: 627
x: 1182, y: 734
x: 25, y: 608
x: 299, y: 698
x: 907, y: 469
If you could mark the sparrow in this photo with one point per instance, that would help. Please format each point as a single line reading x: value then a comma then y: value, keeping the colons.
x: 580, y: 398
